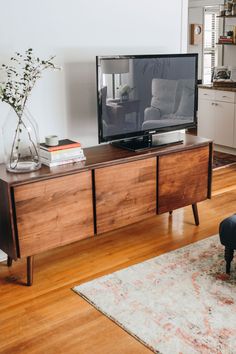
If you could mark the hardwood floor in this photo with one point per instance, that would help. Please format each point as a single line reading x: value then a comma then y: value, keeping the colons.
x: 50, y: 318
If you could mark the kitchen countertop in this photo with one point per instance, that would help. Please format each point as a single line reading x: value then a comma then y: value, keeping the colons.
x: 211, y: 87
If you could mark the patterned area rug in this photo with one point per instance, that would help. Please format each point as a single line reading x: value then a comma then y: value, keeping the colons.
x: 179, y: 302
x: 221, y: 159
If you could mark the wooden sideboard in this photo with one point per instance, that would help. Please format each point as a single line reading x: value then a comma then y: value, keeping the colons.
x: 113, y: 188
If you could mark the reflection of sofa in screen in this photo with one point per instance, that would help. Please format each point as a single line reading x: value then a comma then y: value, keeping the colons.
x: 172, y: 103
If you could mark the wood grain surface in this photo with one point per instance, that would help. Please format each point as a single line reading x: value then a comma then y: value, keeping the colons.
x: 182, y: 178
x: 99, y: 156
x: 47, y: 208
x: 54, y: 212
x: 125, y: 193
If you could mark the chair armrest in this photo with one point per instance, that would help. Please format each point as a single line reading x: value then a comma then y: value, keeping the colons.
x: 152, y: 113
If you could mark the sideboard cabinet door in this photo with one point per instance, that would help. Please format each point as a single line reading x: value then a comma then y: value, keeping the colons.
x: 125, y: 193
x: 53, y: 212
x: 206, y: 119
x: 182, y: 178
x: 224, y: 123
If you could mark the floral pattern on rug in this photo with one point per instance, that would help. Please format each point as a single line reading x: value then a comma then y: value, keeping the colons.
x: 179, y: 302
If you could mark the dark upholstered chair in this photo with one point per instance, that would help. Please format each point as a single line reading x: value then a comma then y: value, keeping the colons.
x: 228, y: 239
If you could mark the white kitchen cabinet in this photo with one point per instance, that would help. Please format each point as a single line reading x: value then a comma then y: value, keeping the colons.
x: 224, y: 123
x: 206, y: 119
x: 217, y: 116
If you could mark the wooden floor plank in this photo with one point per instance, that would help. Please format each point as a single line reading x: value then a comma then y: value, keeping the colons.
x: 50, y: 318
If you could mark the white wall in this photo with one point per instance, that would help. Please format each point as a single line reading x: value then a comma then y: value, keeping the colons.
x: 196, y: 15
x: 76, y: 31
x: 196, y: 3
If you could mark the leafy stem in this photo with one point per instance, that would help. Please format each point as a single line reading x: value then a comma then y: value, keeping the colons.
x: 20, y: 78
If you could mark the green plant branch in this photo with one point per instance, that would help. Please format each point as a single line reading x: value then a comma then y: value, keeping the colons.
x: 17, y: 88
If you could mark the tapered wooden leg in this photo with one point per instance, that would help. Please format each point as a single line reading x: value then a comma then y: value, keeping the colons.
x: 9, y: 261
x: 195, y: 214
x: 30, y: 270
x: 229, y: 255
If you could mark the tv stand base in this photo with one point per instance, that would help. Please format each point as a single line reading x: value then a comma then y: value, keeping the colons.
x: 149, y: 142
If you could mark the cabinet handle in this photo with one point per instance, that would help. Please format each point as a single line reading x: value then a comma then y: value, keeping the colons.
x: 212, y: 103
x: 216, y: 104
x: 225, y: 96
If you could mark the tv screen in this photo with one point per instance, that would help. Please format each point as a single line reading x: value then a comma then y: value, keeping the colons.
x: 140, y: 94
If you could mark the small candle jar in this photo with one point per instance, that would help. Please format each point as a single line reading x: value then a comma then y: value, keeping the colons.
x: 51, y: 140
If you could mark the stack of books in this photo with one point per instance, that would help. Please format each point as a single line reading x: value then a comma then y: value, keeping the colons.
x: 225, y: 40
x: 67, y: 151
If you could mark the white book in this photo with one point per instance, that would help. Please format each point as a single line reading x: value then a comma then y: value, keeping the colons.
x: 64, y: 162
x: 61, y: 155
x: 51, y: 156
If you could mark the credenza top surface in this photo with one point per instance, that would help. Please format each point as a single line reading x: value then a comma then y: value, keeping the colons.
x: 219, y: 88
x: 99, y: 156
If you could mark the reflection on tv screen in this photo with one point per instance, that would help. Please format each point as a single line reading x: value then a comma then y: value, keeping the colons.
x: 145, y: 93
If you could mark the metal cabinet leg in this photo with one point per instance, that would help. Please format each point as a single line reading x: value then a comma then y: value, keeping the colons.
x: 30, y: 270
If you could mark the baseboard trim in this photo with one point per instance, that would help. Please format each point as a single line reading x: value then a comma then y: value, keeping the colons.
x: 225, y: 149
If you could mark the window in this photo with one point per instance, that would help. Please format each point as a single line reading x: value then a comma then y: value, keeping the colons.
x: 211, y: 35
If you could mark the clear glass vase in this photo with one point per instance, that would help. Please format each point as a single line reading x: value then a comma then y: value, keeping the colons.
x: 21, y: 142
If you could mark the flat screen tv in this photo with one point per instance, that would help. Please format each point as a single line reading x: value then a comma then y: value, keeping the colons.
x: 141, y: 95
